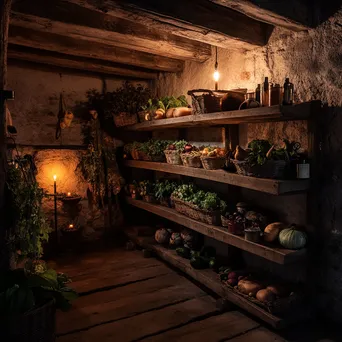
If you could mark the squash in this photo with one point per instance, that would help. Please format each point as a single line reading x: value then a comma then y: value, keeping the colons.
x: 272, y: 231
x: 265, y: 296
x: 249, y: 287
x: 182, y: 111
x: 162, y: 236
x: 292, y: 238
x: 169, y: 113
x: 176, y: 240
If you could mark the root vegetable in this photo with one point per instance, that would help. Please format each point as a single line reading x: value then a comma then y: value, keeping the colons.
x: 279, y: 290
x: 265, y: 296
x: 249, y: 286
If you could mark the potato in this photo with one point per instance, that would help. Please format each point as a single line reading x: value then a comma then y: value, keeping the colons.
x: 265, y: 296
x: 279, y: 290
x: 249, y: 286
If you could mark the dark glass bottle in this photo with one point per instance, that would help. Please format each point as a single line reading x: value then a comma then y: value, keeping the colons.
x: 266, y: 93
x: 288, y: 93
x: 258, y: 93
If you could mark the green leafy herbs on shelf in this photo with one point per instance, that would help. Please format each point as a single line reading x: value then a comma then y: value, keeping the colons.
x: 154, y: 147
x: 164, y: 189
x: 29, y: 228
x: 177, y: 145
x: 25, y: 289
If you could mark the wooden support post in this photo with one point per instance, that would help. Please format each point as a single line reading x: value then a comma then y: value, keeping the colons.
x: 5, y: 8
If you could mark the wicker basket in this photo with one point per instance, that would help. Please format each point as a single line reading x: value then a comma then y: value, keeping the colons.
x: 271, y: 169
x: 125, y: 119
x: 192, y: 211
x: 191, y: 161
x: 213, y: 163
x: 209, y: 101
x: 37, y: 325
x: 173, y: 157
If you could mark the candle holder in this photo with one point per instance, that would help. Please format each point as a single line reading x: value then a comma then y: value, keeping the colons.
x: 71, y: 236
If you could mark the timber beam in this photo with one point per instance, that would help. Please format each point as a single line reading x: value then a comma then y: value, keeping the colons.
x: 76, y: 63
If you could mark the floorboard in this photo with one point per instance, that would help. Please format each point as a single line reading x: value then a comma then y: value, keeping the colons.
x: 125, y: 297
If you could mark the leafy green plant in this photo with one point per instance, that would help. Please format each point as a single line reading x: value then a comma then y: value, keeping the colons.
x: 164, y: 189
x: 29, y: 227
x: 154, y: 147
x: 22, y: 290
x: 185, y: 192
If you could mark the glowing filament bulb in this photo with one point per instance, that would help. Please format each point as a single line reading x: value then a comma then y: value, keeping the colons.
x: 216, y: 76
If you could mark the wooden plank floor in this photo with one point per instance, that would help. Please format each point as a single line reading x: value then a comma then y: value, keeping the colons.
x: 125, y: 297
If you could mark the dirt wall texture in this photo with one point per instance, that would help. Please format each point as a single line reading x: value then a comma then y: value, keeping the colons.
x: 313, y: 62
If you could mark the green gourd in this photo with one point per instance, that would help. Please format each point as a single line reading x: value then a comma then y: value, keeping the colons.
x: 292, y: 238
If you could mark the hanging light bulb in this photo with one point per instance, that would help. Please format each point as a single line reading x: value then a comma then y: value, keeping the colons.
x: 216, y: 76
x: 216, y: 73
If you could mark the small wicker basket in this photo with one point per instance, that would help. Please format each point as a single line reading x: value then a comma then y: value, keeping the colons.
x: 213, y: 163
x: 274, y: 169
x: 125, y: 119
x: 192, y: 211
x: 173, y: 157
x: 191, y: 161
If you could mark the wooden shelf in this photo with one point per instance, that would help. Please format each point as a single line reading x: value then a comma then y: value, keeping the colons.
x: 270, y: 186
x: 301, y: 111
x: 277, y: 255
x: 209, y: 279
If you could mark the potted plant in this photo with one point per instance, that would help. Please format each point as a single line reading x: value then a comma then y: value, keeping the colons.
x: 29, y: 297
x: 146, y: 190
x: 153, y: 150
x: 127, y: 101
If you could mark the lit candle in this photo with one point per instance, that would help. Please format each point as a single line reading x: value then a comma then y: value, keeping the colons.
x: 69, y: 194
x: 71, y: 226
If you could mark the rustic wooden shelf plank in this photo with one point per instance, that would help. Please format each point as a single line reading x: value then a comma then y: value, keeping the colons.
x: 277, y: 255
x: 301, y: 111
x: 270, y: 186
x: 206, y: 277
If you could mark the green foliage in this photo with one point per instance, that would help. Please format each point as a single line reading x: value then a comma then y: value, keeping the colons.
x: 30, y: 228
x: 154, y: 147
x: 167, y: 102
x: 202, y: 199
x: 22, y: 290
x: 180, y: 144
x: 164, y: 189
x: 259, y: 149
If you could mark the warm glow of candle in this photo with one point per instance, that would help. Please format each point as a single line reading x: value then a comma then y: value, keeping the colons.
x: 71, y: 226
x: 69, y: 194
x: 54, y: 178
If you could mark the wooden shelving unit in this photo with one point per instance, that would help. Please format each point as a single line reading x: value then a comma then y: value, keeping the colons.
x: 277, y: 255
x: 270, y: 186
x: 209, y: 279
x: 262, y: 114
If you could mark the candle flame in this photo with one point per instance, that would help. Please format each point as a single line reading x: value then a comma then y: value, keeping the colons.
x: 69, y: 194
x: 54, y: 177
x: 71, y: 226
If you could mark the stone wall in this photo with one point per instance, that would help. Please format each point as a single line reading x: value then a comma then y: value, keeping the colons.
x: 34, y: 112
x: 312, y: 60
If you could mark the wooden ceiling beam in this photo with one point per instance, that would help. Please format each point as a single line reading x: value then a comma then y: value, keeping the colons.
x: 258, y: 11
x: 81, y: 64
x: 90, y: 49
x: 119, y: 33
x: 199, y: 20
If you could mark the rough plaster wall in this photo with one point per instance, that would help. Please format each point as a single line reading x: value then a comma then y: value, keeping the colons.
x: 313, y: 61
x: 35, y: 108
x: 34, y: 113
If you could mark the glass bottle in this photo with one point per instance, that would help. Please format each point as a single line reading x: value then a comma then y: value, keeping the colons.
x: 266, y: 93
x: 258, y: 93
x: 275, y: 94
x: 288, y: 93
